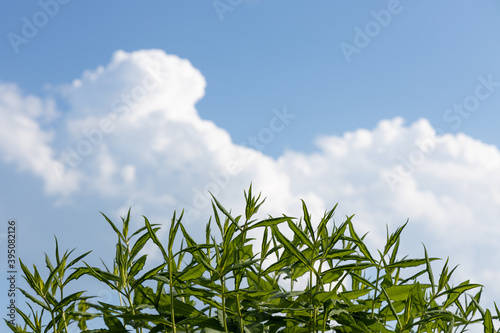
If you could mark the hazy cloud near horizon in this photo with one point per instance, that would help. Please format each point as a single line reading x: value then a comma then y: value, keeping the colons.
x: 129, y: 133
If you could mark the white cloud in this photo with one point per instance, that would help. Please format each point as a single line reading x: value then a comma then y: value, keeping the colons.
x: 133, y: 136
x: 24, y: 141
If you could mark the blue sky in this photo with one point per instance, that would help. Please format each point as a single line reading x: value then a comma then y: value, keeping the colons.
x: 419, y: 68
x: 267, y: 54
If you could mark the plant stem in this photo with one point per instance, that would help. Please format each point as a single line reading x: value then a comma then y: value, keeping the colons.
x: 375, y: 292
x: 51, y: 313
x: 223, y: 298
x: 172, y: 298
x: 63, y: 314
x: 240, y: 317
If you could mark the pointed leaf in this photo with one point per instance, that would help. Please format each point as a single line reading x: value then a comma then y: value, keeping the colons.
x: 148, y: 275
x: 271, y: 222
x: 289, y: 246
x: 393, y: 238
x: 155, y: 239
x: 114, y: 228
x: 300, y: 234
x: 307, y: 219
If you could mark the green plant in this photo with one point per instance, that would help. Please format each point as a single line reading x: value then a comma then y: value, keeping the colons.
x: 49, y: 296
x: 228, y: 283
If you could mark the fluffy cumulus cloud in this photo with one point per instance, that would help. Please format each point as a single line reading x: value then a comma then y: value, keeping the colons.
x: 24, y: 140
x: 130, y: 135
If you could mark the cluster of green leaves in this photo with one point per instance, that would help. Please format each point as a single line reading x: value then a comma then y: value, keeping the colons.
x: 229, y: 283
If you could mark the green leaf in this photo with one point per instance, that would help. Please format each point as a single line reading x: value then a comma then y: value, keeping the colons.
x: 359, y: 242
x: 460, y: 289
x: 27, y: 320
x: 338, y: 233
x: 322, y: 227
x: 225, y: 212
x: 137, y: 266
x: 228, y: 236
x: 497, y: 311
x: 189, y: 240
x: 148, y: 275
x: 34, y: 299
x: 338, y: 253
x: 399, y: 292
x: 409, y: 263
x: 445, y: 276
x: 307, y: 219
x: 391, y: 307
x: 451, y: 325
x: 454, y: 293
x: 240, y: 265
x: 102, y: 276
x: 34, y: 280
x: 300, y: 234
x: 48, y: 263
x: 271, y: 222
x: 252, y: 203
x: 349, y: 267
x: 355, y: 294
x: 394, y: 253
x: 328, y: 277
x: 174, y: 227
x: 192, y: 273
x: 292, y: 249
x: 126, y: 222
x: 139, y: 244
x: 393, y: 238
x: 120, y: 236
x: 77, y: 273
x: 77, y: 260
x: 362, y: 279
x: 49, y: 281
x: 67, y: 300
x: 429, y: 271
x: 155, y: 319
x: 152, y: 234
x: 113, y: 323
